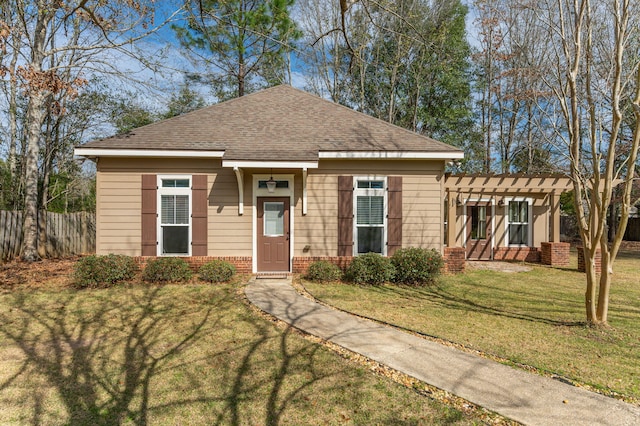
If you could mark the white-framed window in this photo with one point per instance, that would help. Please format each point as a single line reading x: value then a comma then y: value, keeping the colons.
x: 273, y: 220
x: 518, y: 222
x: 370, y: 218
x: 174, y: 224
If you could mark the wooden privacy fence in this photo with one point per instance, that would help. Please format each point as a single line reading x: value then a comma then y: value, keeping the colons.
x: 67, y: 234
x: 569, y: 229
x: 633, y: 229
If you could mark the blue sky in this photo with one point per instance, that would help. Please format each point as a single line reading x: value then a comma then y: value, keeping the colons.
x: 164, y: 80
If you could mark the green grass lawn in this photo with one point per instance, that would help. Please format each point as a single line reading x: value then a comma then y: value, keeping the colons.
x: 182, y: 354
x: 534, y: 318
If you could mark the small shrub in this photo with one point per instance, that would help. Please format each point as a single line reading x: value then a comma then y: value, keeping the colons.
x: 323, y: 271
x: 102, y: 271
x: 416, y: 265
x: 166, y: 269
x: 370, y: 268
x: 216, y: 271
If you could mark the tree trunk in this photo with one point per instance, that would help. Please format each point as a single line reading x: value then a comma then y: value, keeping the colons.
x: 590, y: 293
x: 35, y: 115
x: 42, y: 216
x: 35, y: 119
x: 602, y: 309
x: 241, y: 79
x: 13, y: 115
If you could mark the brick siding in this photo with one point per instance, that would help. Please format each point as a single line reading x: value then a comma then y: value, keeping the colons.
x: 630, y: 246
x: 243, y: 264
x: 301, y: 264
x: 581, y: 264
x: 523, y: 254
x: 555, y: 254
x: 454, y: 260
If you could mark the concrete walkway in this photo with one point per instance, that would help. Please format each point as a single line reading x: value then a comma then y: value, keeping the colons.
x: 516, y: 394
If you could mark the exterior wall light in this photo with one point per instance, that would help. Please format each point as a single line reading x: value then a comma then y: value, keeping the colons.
x: 271, y: 184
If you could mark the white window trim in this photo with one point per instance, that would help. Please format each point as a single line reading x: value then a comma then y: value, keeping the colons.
x: 529, y: 223
x: 173, y: 191
x: 370, y: 192
x: 278, y: 192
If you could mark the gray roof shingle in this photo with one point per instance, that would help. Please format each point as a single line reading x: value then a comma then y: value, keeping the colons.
x: 277, y: 124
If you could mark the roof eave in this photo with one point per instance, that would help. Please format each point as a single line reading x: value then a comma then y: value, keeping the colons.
x: 148, y: 153
x: 388, y: 155
x: 241, y: 164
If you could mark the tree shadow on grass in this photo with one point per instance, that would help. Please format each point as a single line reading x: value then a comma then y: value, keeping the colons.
x: 101, y: 356
x: 279, y: 394
x: 438, y: 295
x: 291, y: 368
x: 104, y: 356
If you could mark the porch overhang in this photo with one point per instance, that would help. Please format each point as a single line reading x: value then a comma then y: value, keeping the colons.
x: 238, y: 167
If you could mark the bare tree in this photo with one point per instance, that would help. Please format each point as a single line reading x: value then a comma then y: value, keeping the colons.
x: 57, y: 44
x: 405, y: 62
x: 512, y: 96
x: 595, y: 79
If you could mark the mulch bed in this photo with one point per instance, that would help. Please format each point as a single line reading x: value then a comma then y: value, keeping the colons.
x: 50, y: 274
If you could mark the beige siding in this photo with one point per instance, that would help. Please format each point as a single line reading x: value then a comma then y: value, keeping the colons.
x: 230, y: 234
x: 422, y: 208
x: 119, y: 206
x: 118, y: 213
x: 540, y: 225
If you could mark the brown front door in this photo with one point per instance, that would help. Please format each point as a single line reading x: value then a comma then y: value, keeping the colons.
x: 273, y: 234
x: 479, y: 231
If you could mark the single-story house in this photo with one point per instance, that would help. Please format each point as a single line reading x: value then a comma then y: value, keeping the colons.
x: 277, y: 179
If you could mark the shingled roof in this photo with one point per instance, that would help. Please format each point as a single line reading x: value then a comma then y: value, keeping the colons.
x: 277, y: 124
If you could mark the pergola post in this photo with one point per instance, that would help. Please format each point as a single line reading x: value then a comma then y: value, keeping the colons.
x: 554, y: 222
x: 451, y: 218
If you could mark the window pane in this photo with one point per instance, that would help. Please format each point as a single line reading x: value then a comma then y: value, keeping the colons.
x: 518, y: 234
x: 273, y: 218
x: 167, y: 211
x: 513, y: 211
x: 524, y: 211
x: 174, y: 209
x: 175, y: 239
x: 370, y: 210
x: 482, y: 213
x: 175, y: 183
x: 478, y: 223
x: 279, y: 184
x: 370, y: 239
x: 518, y: 211
x: 482, y: 229
x: 373, y: 184
x: 362, y: 213
x: 182, y: 209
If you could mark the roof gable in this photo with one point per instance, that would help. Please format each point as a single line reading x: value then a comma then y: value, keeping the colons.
x: 280, y: 123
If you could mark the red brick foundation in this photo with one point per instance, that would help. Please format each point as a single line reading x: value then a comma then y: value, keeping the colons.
x: 454, y: 260
x: 523, y: 254
x: 630, y: 246
x: 555, y: 254
x: 301, y: 264
x: 581, y: 264
x: 243, y: 264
